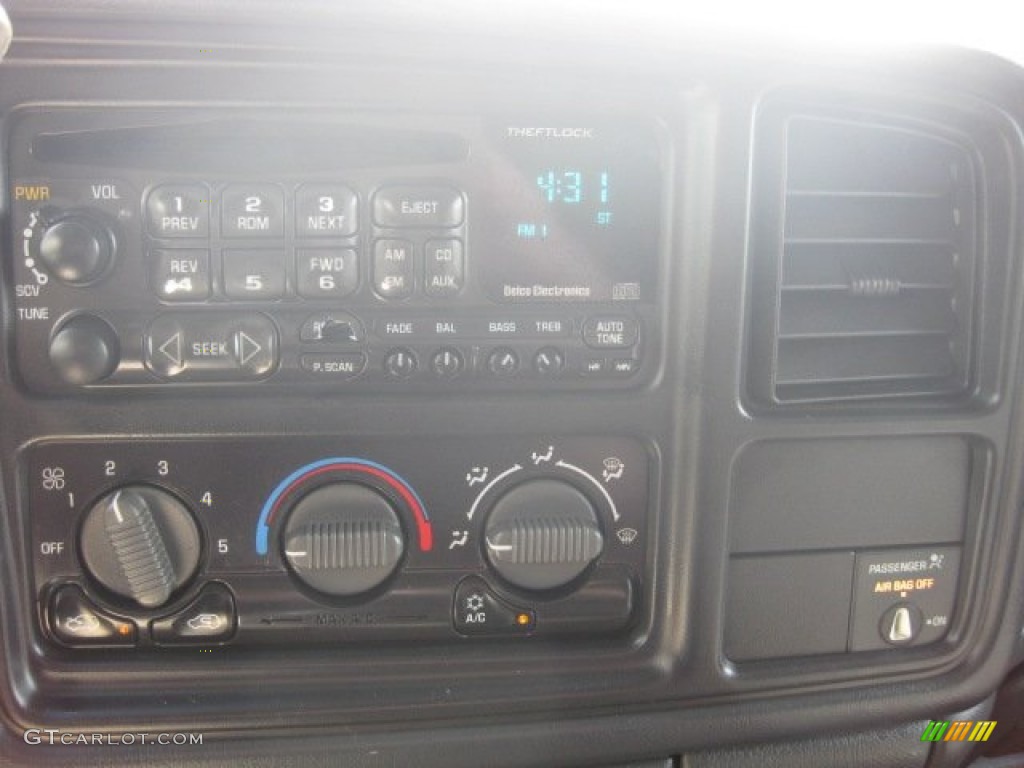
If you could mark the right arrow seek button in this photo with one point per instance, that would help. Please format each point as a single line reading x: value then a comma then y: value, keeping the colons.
x: 903, y: 597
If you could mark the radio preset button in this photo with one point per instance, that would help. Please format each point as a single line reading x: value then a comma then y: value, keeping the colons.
x: 443, y: 268
x: 325, y: 273
x: 254, y: 275
x: 325, y: 210
x: 252, y: 211
x: 211, y: 347
x: 400, y: 363
x: 418, y: 206
x: 393, y: 269
x: 179, y: 210
x: 181, y: 274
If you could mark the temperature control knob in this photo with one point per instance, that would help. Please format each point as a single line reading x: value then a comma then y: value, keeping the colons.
x: 343, y: 539
x: 76, y: 247
x: 141, y: 543
x: 542, y: 534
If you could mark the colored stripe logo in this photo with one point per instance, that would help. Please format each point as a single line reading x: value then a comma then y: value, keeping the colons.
x: 958, y: 730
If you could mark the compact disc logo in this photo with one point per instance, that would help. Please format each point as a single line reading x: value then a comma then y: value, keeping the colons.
x: 541, y: 132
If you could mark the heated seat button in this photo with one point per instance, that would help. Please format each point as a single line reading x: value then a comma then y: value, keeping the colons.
x: 210, y: 618
x: 178, y: 210
x: 418, y: 206
x: 478, y: 611
x: 252, y: 211
x: 75, y: 620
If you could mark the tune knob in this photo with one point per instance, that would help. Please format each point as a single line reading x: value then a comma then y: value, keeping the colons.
x: 76, y: 247
x: 84, y: 350
x: 542, y: 534
x: 343, y: 539
x: 141, y: 543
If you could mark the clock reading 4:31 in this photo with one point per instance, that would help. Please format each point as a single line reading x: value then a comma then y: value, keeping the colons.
x: 573, y: 187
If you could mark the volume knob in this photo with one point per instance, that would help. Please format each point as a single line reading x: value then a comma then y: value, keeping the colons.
x: 76, y: 248
x: 140, y: 543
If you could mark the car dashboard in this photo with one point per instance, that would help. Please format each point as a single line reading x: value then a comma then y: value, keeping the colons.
x: 452, y: 386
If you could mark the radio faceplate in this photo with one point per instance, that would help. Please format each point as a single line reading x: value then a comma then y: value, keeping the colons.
x: 308, y: 540
x: 354, y: 251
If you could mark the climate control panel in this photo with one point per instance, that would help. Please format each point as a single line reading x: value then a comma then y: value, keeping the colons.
x: 177, y: 542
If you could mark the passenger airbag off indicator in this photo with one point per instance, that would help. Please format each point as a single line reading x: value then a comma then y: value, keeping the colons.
x: 903, y: 597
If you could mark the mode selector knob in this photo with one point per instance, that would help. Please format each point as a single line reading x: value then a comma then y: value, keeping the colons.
x: 542, y: 534
x: 76, y: 247
x: 343, y: 539
x: 141, y: 543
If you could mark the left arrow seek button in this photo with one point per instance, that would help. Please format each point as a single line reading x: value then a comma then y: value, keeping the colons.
x: 212, y: 347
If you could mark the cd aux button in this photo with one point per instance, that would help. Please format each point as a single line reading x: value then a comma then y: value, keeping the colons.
x: 443, y: 268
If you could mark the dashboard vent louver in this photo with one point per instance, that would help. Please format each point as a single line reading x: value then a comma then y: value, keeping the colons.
x: 873, y: 263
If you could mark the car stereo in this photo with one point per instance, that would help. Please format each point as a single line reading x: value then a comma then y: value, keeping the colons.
x: 157, y: 248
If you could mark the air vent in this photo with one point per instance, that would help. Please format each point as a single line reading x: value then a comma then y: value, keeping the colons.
x: 871, y: 262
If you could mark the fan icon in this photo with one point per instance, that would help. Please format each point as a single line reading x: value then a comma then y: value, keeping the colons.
x: 474, y: 603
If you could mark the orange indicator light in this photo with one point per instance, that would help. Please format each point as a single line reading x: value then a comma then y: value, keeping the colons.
x: 523, y: 619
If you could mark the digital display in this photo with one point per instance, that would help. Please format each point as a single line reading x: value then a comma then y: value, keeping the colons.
x: 574, y: 213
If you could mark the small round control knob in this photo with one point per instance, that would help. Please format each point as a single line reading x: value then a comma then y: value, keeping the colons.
x: 84, y: 350
x: 76, y: 248
x: 343, y: 539
x: 141, y: 543
x: 542, y: 534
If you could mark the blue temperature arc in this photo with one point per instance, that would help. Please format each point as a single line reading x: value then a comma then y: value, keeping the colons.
x: 378, y: 470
